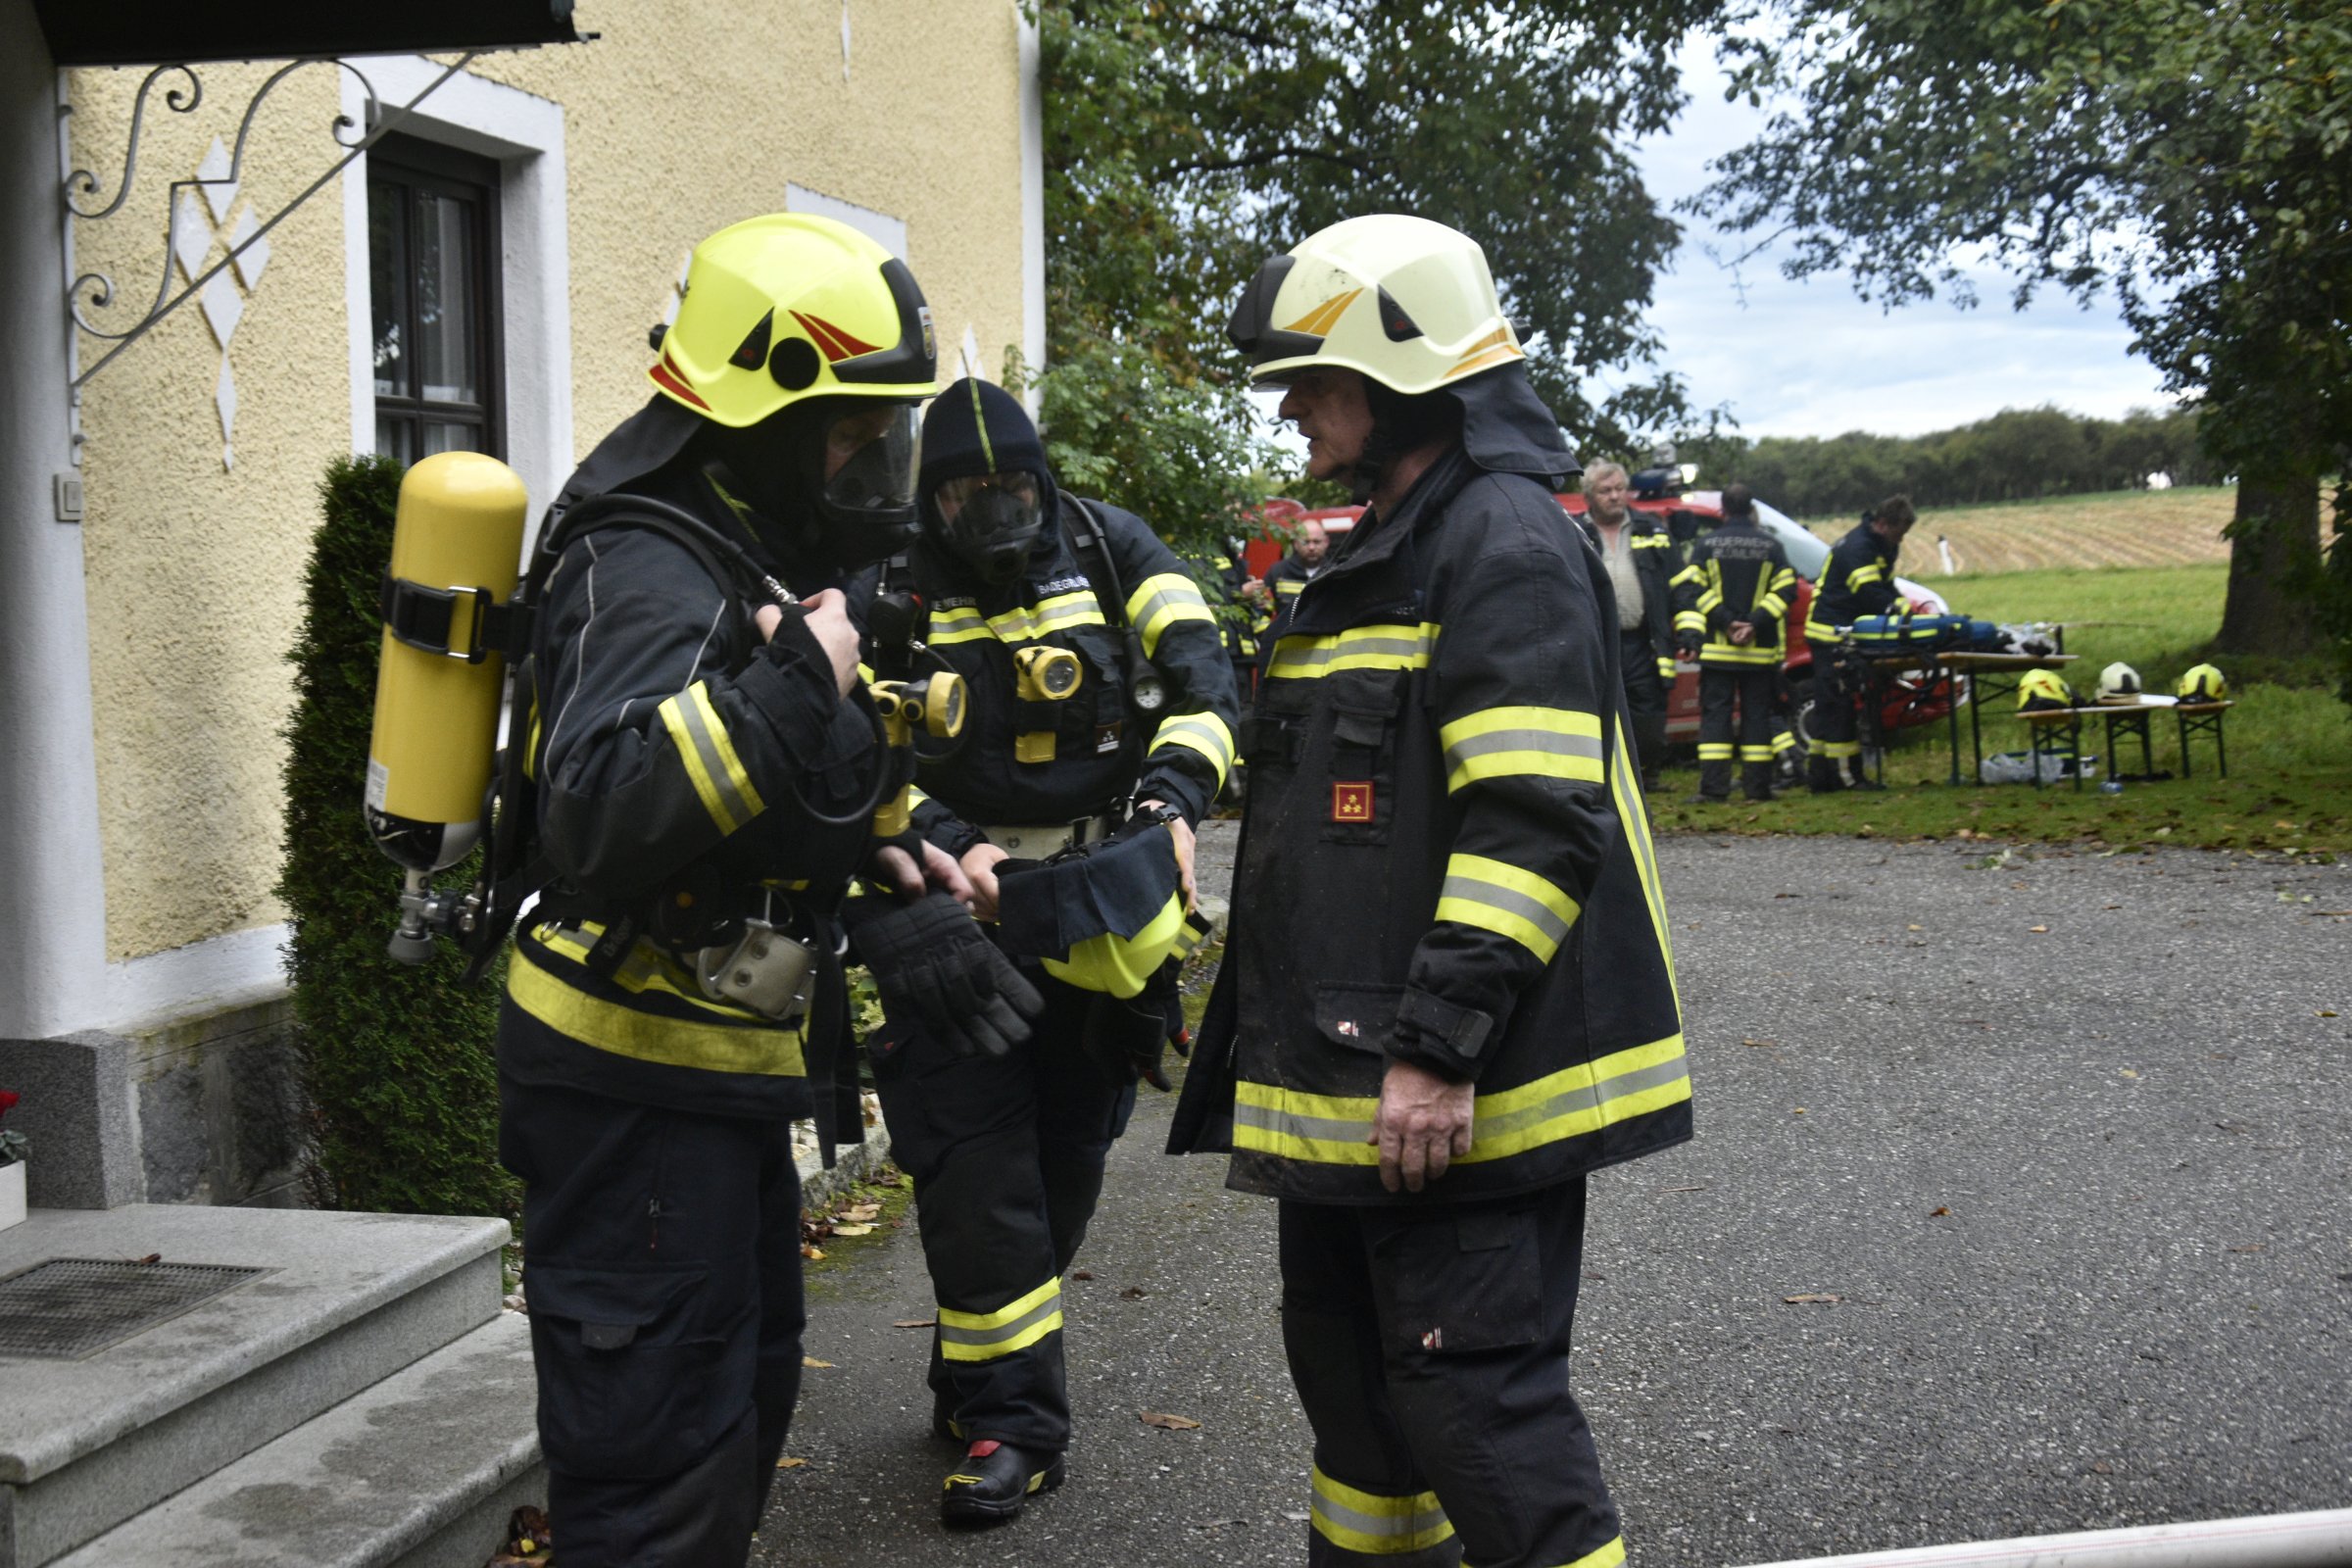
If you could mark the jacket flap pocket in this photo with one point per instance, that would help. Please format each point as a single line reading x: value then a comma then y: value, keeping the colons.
x: 1358, y: 1017
x: 1353, y: 728
x: 609, y: 1305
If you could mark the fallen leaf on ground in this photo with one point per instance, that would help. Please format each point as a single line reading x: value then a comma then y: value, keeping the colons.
x: 2255, y: 1247
x: 811, y: 1361
x: 1167, y: 1422
x: 1798, y: 1111
x: 1134, y: 1293
x: 1759, y: 1042
x: 2327, y: 1012
x: 791, y: 1464
x: 916, y: 1323
x: 1813, y: 1297
x: 2039, y: 928
x: 2125, y: 1072
x: 1938, y: 1214
x: 1082, y: 1273
x: 816, y: 1252
x: 860, y: 1213
x: 151, y: 1257
x: 1915, y: 928
x: 852, y: 1230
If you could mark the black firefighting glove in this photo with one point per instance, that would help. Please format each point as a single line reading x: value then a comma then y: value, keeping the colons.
x: 1124, y: 1039
x: 935, y: 967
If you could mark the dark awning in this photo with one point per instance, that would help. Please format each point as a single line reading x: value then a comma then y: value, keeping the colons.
x: 148, y: 32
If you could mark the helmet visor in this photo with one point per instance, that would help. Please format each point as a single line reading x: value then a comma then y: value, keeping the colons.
x: 869, y: 455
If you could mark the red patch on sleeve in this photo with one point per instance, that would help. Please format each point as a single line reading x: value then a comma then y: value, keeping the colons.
x: 1352, y: 802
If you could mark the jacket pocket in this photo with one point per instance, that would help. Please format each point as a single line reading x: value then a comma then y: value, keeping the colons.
x: 1459, y: 1281
x: 1358, y: 1017
x: 631, y: 1385
x: 1362, y: 766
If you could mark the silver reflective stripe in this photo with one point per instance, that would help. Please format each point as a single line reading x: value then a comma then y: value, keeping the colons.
x: 1583, y: 1096
x: 706, y: 746
x: 1372, y: 1524
x: 1320, y: 1129
x: 1470, y: 890
x: 1522, y: 739
x: 1050, y: 1306
x: 1316, y: 657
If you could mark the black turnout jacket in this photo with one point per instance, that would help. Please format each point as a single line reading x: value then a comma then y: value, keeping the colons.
x: 670, y: 751
x: 1101, y: 751
x: 1444, y: 858
x: 1858, y: 580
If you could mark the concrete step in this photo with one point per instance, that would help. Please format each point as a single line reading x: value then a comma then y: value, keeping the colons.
x: 350, y: 1299
x: 419, y: 1471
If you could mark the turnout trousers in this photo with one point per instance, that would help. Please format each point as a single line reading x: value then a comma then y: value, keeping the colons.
x: 1430, y: 1350
x: 1837, y: 722
x: 664, y: 1278
x: 1752, y: 687
x: 1644, y: 702
x: 1007, y: 1153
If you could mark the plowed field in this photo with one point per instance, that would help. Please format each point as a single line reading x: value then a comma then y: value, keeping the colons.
x: 2123, y: 529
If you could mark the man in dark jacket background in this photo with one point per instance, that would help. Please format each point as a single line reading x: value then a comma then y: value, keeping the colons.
x: 1446, y: 995
x: 1641, y: 559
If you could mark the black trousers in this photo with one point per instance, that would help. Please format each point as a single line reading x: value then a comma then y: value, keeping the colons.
x: 1752, y: 687
x: 663, y: 1276
x: 1430, y: 1348
x: 1007, y: 1153
x: 1837, y: 725
x: 1646, y: 693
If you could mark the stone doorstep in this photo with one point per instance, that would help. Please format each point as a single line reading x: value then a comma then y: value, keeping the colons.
x: 419, y: 1471
x: 330, y: 1270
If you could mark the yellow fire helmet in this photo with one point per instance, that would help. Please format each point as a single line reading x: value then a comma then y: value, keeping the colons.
x: 1404, y: 301
x: 790, y: 306
x: 2203, y: 684
x: 1104, y: 917
x: 2041, y: 688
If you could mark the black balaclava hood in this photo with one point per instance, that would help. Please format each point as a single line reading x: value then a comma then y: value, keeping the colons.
x: 975, y: 428
x: 1503, y: 425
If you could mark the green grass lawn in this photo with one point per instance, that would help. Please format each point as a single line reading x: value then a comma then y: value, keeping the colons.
x: 2290, y: 746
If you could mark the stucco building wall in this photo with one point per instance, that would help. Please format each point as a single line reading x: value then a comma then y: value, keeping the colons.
x: 684, y: 116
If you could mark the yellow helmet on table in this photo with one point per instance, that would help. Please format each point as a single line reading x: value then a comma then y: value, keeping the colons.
x: 2202, y: 683
x: 2040, y: 689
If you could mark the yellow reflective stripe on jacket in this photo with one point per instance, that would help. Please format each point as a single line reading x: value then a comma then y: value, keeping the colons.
x: 1374, y: 1525
x: 646, y: 969
x: 1666, y: 670
x: 1121, y: 966
x: 1633, y: 819
x: 607, y: 1025
x: 1289, y: 587
x: 1497, y: 897
x: 1723, y: 650
x: 1332, y: 1129
x: 1690, y: 620
x: 1864, y: 576
x: 1023, y: 624
x: 1501, y: 741
x: 1015, y: 1326
x: 1160, y: 601
x: 710, y: 760
x: 1816, y: 632
x: 961, y: 624
x: 1204, y: 733
x: 1390, y: 647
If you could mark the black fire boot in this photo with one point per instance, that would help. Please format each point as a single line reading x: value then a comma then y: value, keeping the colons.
x: 994, y: 1481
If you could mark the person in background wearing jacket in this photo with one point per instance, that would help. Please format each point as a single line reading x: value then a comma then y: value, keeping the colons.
x: 1061, y: 616
x: 1446, y: 995
x: 1641, y: 559
x: 1857, y: 580
x: 1310, y: 549
x: 703, y: 759
x: 1735, y: 596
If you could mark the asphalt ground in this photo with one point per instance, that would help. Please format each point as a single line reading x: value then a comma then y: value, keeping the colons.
x: 2061, y: 1147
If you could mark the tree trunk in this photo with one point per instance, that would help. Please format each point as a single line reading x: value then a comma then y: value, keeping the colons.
x: 2274, y: 568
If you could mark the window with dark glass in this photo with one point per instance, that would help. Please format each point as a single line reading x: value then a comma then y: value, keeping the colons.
x: 432, y: 249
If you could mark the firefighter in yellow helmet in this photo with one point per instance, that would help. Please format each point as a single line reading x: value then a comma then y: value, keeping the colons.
x: 1101, y: 727
x: 1448, y: 993
x: 703, y: 766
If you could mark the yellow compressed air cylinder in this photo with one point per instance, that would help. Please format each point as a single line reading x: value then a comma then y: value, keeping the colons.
x: 457, y: 544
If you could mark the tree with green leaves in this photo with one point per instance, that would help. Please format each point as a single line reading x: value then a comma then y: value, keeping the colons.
x: 1185, y: 140
x: 2193, y: 156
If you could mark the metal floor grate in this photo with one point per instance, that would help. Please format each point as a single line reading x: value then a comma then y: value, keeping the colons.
x: 70, y: 1307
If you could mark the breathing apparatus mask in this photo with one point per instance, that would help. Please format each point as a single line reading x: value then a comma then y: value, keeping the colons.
x: 991, y: 522
x: 831, y: 479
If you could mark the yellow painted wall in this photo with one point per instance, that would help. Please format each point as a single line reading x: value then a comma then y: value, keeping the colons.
x: 685, y: 115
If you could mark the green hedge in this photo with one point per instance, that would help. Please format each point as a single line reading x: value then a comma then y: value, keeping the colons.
x: 397, y: 1060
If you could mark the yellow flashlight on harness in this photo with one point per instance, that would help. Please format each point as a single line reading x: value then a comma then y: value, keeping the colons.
x: 1041, y: 674
x: 937, y: 703
x: 457, y: 551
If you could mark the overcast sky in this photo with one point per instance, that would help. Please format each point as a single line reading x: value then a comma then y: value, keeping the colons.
x: 1813, y: 359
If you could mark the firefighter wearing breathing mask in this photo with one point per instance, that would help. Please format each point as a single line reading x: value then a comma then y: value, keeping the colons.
x: 1448, y: 993
x: 1100, y: 727
x: 702, y: 774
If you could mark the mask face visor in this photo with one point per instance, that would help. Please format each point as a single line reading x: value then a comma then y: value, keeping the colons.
x: 991, y: 520
x: 870, y: 454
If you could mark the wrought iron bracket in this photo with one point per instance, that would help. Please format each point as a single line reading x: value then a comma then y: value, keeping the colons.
x: 81, y: 189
